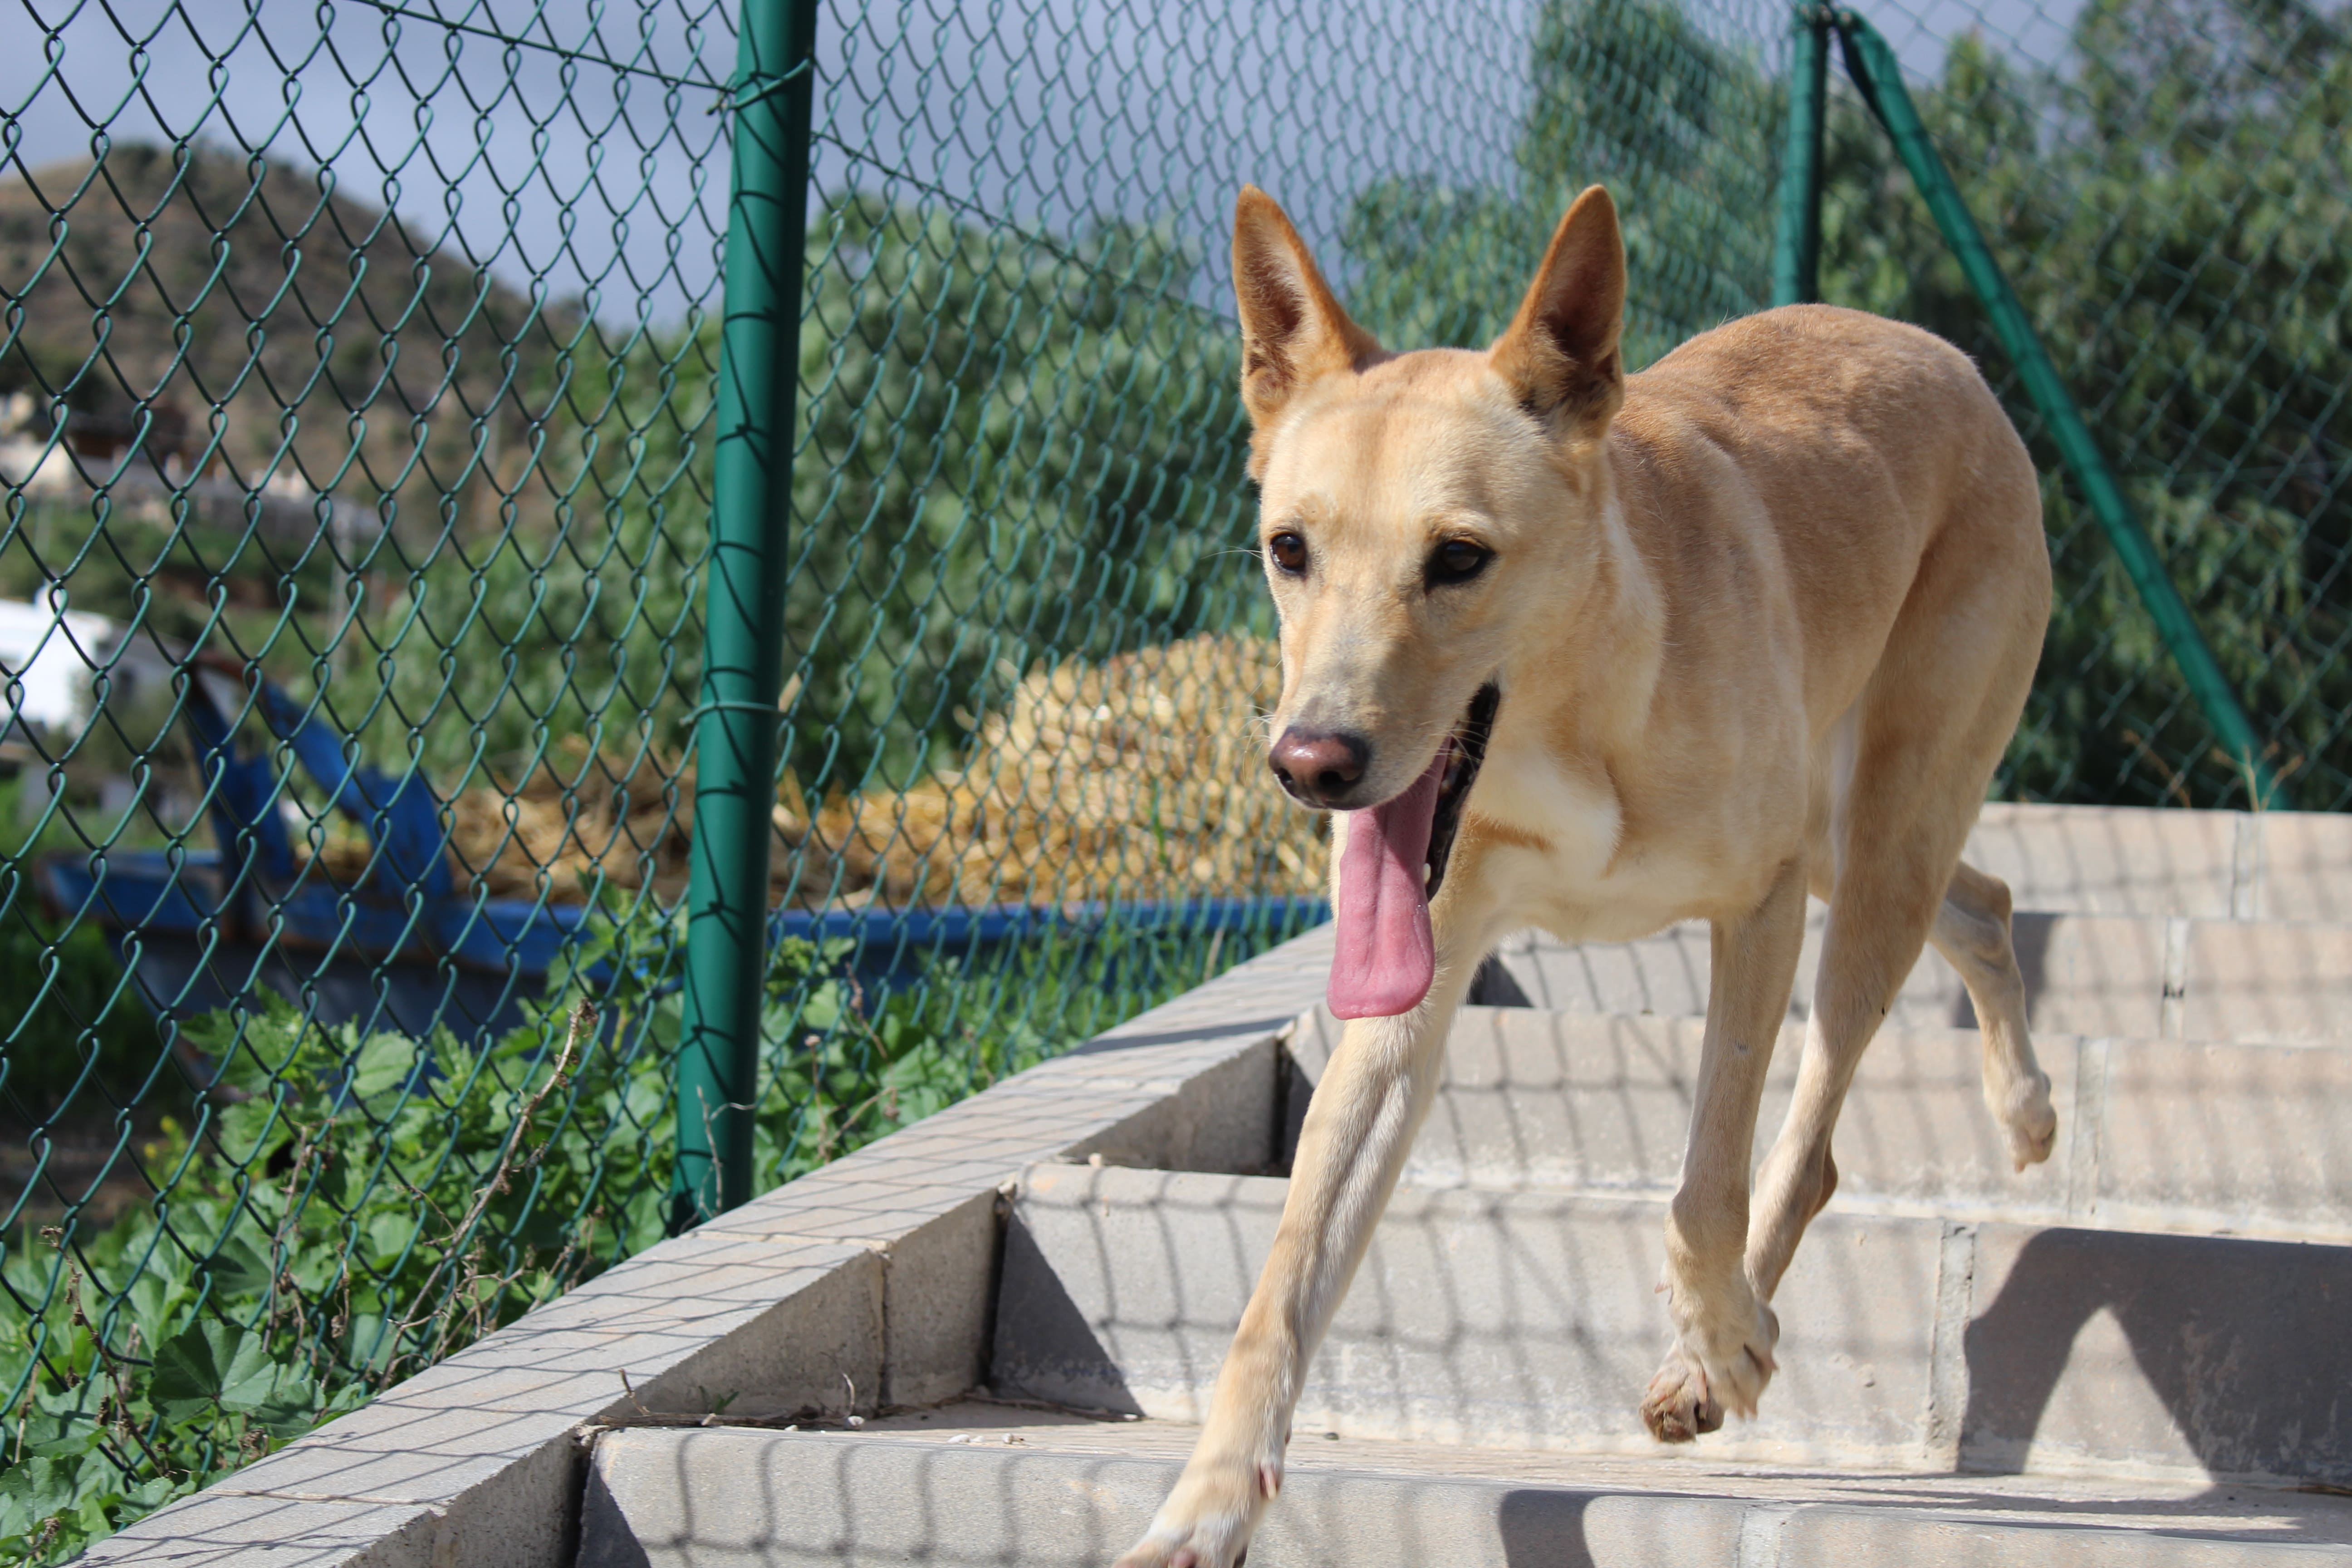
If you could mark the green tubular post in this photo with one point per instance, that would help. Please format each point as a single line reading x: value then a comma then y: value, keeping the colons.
x: 735, y: 736
x: 1797, y: 238
x: 1879, y: 77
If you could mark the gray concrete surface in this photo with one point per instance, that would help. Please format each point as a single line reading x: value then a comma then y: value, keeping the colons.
x: 1529, y: 1320
x: 2147, y: 924
x: 1065, y: 1497
x: 2142, y: 977
x: 2153, y: 1135
x: 2205, y: 865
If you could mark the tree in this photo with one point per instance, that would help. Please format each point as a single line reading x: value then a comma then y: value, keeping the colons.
x: 2168, y: 200
x: 1011, y: 448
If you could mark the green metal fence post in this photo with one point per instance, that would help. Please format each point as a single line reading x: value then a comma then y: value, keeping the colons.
x: 1797, y: 238
x: 735, y: 736
x: 1879, y: 77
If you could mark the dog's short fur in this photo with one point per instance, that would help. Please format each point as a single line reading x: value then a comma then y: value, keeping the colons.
x: 1762, y: 618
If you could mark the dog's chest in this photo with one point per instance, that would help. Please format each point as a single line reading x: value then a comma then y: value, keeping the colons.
x: 1555, y: 855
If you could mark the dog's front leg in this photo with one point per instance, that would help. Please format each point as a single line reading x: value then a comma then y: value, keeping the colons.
x: 1724, y: 1332
x: 1359, y: 1127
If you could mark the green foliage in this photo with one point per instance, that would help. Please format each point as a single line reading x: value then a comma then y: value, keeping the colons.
x: 1010, y: 448
x: 345, y: 1209
x: 2168, y: 201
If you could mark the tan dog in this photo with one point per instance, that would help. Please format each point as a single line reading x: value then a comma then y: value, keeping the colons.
x: 1756, y: 622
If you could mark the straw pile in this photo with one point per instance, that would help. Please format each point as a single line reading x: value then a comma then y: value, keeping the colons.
x: 1140, y: 777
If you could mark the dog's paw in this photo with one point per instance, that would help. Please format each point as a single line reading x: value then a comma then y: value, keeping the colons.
x: 1208, y: 1520
x: 1680, y: 1405
x: 2030, y: 1120
x: 1720, y: 1362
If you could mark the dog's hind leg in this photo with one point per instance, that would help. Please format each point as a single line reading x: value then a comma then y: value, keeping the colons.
x: 1724, y: 1332
x: 1360, y: 1126
x: 1972, y: 931
x: 1921, y: 755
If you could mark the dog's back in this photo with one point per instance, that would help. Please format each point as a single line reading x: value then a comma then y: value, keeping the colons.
x: 1865, y: 446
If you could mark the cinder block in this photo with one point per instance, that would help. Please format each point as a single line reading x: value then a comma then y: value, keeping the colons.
x: 2304, y: 865
x: 1917, y: 1538
x: 746, y: 1499
x: 2112, y: 860
x: 2085, y: 975
x: 1600, y: 1104
x: 2268, y: 982
x: 736, y: 1500
x: 2226, y: 1139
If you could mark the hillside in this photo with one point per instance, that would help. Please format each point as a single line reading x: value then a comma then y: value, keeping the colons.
x: 229, y: 293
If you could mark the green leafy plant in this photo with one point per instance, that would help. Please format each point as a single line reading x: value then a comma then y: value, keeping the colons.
x: 342, y: 1209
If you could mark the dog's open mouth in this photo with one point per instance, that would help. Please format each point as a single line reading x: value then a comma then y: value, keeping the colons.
x: 1393, y: 864
x: 1461, y: 755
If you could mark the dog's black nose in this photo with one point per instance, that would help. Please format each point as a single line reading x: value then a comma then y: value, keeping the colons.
x: 1319, y: 769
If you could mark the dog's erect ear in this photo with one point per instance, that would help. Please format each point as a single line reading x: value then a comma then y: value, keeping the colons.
x: 1561, y: 353
x: 1292, y: 329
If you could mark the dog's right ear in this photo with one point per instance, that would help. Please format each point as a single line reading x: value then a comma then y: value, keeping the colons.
x: 1292, y: 329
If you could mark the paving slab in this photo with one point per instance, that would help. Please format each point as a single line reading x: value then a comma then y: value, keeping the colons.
x: 950, y: 1489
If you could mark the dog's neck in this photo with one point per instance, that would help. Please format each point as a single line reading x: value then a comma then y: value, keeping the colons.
x: 1617, y: 647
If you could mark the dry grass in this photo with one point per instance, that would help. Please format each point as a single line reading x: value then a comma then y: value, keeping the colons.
x: 1140, y: 777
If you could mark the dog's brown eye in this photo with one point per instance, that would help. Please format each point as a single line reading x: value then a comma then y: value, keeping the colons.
x: 1290, y: 552
x: 1457, y: 561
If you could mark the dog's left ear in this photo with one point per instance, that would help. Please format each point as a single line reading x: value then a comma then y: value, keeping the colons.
x: 1560, y: 351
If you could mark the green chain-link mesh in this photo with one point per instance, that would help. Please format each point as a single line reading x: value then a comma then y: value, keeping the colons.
x: 356, y: 387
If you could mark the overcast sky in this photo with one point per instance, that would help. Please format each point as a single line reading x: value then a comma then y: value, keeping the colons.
x: 1043, y: 112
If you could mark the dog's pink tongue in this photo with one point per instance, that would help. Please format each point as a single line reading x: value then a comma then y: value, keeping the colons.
x: 1387, y: 957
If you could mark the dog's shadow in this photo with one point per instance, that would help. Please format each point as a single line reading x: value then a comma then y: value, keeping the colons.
x: 2241, y: 1342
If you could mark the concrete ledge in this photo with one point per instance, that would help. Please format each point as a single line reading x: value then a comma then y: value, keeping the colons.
x: 874, y: 1272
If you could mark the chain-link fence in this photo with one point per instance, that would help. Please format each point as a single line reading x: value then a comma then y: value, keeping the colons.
x: 361, y: 379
